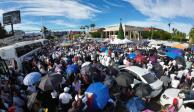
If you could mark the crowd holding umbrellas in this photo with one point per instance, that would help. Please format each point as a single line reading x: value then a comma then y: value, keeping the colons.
x: 93, y: 77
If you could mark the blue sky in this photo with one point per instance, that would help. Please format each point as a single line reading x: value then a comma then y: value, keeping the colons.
x: 71, y: 14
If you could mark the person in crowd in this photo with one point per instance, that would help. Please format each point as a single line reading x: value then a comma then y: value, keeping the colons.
x: 65, y: 99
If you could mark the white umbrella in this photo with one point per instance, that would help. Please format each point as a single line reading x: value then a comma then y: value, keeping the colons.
x: 126, y: 41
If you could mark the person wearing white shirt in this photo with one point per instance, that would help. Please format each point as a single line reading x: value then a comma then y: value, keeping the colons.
x: 65, y: 99
x: 180, y: 74
x: 174, y: 62
x: 108, y: 59
x: 149, y: 66
x: 54, y: 94
x: 174, y: 82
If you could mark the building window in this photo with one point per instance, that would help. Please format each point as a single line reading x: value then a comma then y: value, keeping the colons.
x: 126, y: 33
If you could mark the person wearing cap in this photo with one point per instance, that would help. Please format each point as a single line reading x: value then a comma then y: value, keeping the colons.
x: 65, y: 99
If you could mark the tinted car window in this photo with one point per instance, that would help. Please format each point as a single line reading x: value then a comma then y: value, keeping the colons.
x: 150, y: 77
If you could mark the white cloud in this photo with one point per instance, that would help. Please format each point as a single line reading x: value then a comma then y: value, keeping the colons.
x: 28, y: 26
x: 162, y: 25
x: 63, y: 23
x: 164, y: 8
x: 67, y: 8
x: 109, y: 2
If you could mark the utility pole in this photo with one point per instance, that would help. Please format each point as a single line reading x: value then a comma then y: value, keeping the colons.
x: 42, y: 28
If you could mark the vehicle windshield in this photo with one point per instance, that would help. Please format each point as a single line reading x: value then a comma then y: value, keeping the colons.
x: 150, y: 78
x: 189, y: 95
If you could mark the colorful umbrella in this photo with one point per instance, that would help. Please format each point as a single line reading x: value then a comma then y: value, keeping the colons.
x: 135, y: 104
x: 172, y: 55
x: 106, y: 52
x: 132, y: 55
x: 103, y: 49
x: 32, y: 78
x: 179, y: 46
x: 175, y: 50
x: 100, y: 95
x: 73, y: 68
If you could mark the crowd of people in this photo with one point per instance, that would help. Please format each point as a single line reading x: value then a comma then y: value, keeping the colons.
x: 83, y: 64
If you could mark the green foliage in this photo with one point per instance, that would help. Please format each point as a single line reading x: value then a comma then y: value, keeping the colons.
x: 76, y: 35
x: 92, y: 26
x: 191, y: 35
x: 146, y: 34
x: 157, y: 34
x: 177, y: 35
x: 95, y: 34
x: 44, y: 29
x: 121, y: 32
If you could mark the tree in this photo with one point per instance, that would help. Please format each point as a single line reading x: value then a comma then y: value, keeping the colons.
x: 121, y: 32
x: 81, y: 27
x: 45, y: 32
x: 95, y: 34
x: 191, y: 36
x: 86, y: 27
x: 178, y: 35
x: 157, y: 34
x: 2, y: 32
x: 92, y: 26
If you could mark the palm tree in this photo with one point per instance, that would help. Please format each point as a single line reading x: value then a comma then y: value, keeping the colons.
x: 81, y: 27
x: 86, y: 27
x: 92, y: 26
x: 191, y: 36
x: 44, y: 31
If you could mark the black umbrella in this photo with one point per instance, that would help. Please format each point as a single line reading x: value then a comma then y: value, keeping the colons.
x: 50, y: 82
x: 86, y: 70
x: 158, y: 69
x: 124, y: 79
x: 180, y: 61
x: 142, y: 90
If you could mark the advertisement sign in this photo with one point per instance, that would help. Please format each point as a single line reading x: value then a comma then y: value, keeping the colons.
x: 12, y: 17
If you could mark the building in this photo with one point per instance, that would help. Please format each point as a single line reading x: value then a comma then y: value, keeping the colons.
x: 130, y: 32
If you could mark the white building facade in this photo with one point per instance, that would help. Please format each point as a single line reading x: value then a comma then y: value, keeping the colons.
x: 130, y: 32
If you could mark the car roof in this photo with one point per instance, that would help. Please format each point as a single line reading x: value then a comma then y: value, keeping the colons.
x: 137, y: 70
x: 172, y: 92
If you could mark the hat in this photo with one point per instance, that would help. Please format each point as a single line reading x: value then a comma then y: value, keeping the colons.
x: 66, y: 89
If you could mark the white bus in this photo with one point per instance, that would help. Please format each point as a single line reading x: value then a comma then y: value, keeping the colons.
x: 43, y: 41
x: 17, y: 53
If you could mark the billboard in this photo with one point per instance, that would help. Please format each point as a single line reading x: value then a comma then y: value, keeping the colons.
x: 11, y: 17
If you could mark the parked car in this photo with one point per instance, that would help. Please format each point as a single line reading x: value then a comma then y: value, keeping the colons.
x: 142, y: 75
x: 185, y: 99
